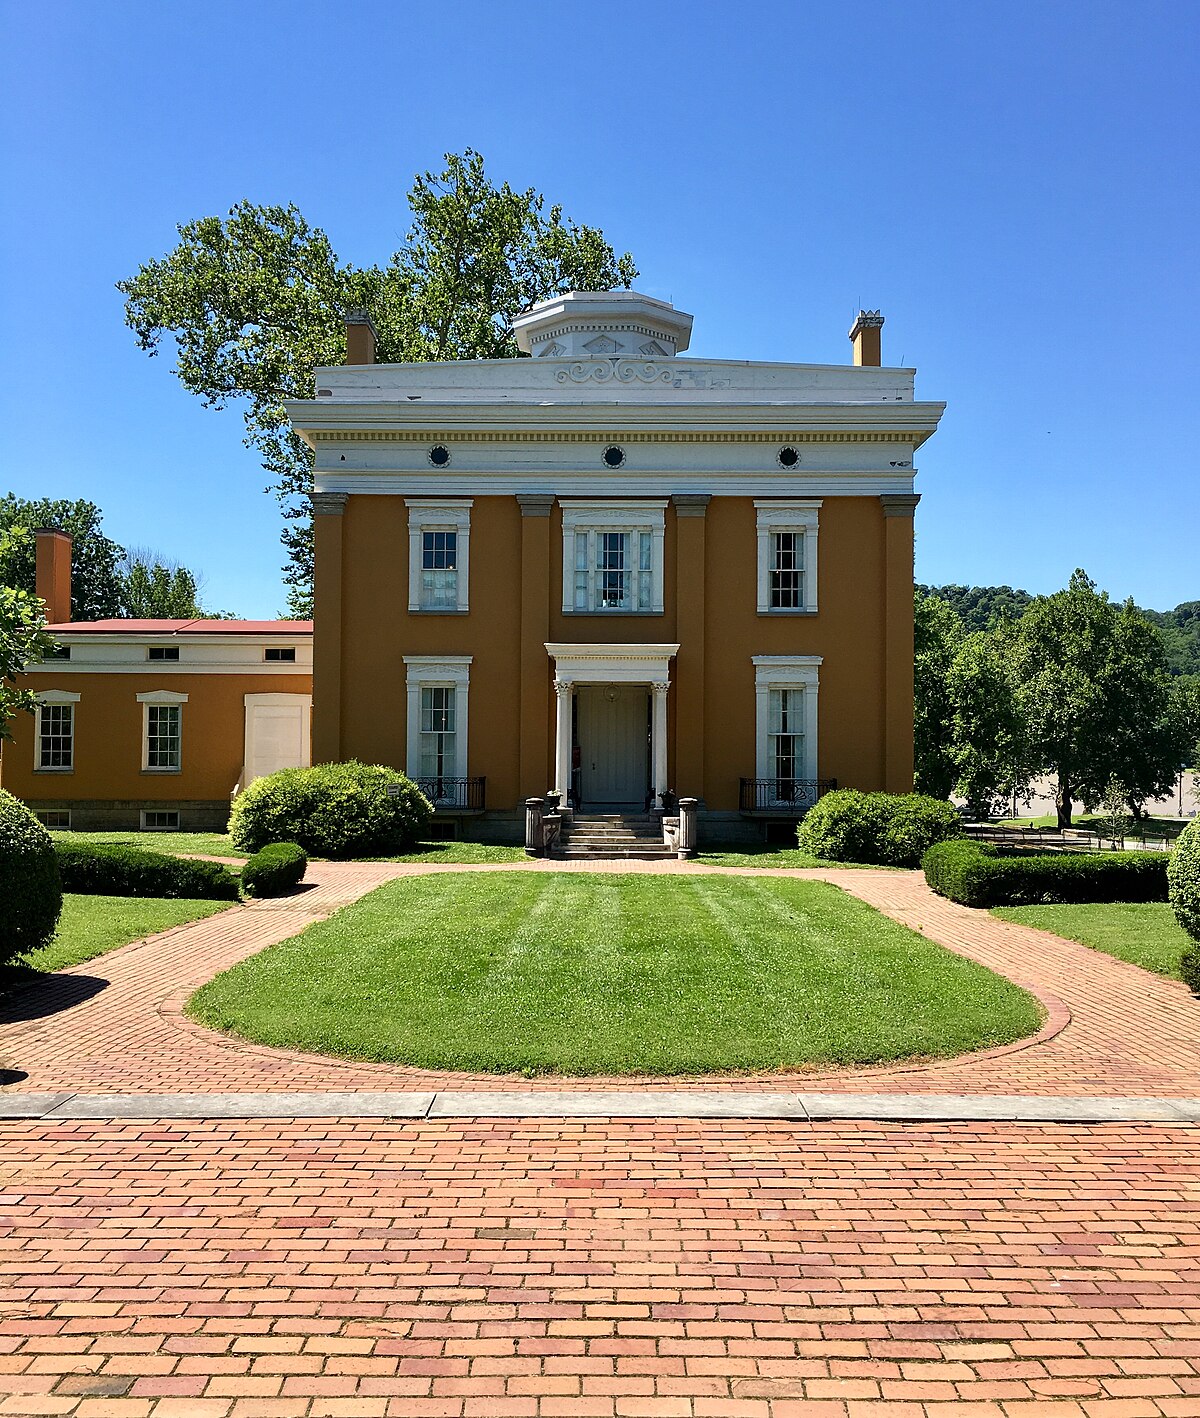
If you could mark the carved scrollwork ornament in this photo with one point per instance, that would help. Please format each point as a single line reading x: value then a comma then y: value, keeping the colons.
x: 614, y: 371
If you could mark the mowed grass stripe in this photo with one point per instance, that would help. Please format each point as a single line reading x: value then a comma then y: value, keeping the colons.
x: 614, y: 974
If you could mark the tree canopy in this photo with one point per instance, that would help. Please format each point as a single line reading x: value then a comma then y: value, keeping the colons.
x: 23, y: 638
x: 256, y: 301
x: 107, y: 581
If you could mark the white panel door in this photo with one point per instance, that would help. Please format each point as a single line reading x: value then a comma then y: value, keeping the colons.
x: 613, y: 744
x: 277, y: 733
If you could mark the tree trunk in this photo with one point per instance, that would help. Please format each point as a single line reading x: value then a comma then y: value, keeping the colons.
x: 1062, y: 800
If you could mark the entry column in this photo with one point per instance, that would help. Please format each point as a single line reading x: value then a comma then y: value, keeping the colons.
x: 562, y: 742
x: 658, y: 740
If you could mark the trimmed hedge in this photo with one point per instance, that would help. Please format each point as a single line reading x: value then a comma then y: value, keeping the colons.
x: 332, y: 810
x: 275, y: 869
x: 979, y: 874
x: 30, y: 890
x: 109, y: 869
x: 881, y: 829
x: 1183, y: 882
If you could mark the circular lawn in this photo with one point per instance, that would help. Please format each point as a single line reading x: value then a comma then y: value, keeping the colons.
x: 574, y: 973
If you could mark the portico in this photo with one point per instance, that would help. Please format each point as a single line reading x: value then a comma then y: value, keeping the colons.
x: 617, y: 740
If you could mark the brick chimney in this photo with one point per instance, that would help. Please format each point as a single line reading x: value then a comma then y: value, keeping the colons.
x: 866, y: 338
x: 52, y: 573
x: 360, y: 338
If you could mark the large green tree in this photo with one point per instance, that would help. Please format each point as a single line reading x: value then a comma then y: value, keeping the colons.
x: 1095, y: 695
x: 256, y: 301
x: 937, y: 636
x: 989, y: 744
x: 23, y: 638
x: 97, y: 586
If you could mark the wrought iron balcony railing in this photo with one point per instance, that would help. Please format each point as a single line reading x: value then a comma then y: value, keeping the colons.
x: 783, y: 795
x: 454, y: 794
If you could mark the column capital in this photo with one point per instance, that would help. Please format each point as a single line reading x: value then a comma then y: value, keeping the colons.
x: 899, y: 504
x: 329, y: 504
x: 563, y: 687
x: 535, y: 504
x: 660, y: 687
x: 690, y: 504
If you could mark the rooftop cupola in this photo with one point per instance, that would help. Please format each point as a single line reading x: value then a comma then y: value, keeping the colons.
x: 612, y: 324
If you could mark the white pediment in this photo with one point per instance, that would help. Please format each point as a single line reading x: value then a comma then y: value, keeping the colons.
x: 602, y: 345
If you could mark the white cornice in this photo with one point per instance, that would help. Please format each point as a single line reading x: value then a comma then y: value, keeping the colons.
x: 613, y: 485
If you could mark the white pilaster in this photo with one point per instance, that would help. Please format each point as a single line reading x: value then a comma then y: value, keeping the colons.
x: 658, y: 745
x: 562, y: 741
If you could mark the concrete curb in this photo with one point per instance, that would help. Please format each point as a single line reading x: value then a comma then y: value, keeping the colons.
x: 799, y: 1107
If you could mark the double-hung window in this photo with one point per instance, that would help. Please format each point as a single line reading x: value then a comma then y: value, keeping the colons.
x: 437, y: 723
x: 54, y: 732
x: 438, y: 551
x: 787, y: 556
x: 162, y: 731
x: 786, y: 729
x: 439, y: 751
x: 612, y: 557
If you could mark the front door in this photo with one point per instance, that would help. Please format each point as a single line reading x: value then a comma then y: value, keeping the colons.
x: 613, y: 738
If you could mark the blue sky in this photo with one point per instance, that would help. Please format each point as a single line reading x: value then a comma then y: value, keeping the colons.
x: 1014, y: 185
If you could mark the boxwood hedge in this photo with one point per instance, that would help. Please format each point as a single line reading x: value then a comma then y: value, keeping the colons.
x: 30, y: 891
x: 275, y: 869
x: 980, y: 874
x: 111, y: 869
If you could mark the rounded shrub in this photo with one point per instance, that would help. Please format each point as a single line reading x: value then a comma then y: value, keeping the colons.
x: 30, y: 890
x: 331, y: 810
x: 1183, y: 892
x: 881, y: 829
x: 275, y: 869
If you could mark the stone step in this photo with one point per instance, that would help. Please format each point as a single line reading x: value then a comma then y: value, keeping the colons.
x: 615, y: 854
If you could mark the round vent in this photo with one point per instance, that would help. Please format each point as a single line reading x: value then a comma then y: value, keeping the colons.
x: 439, y: 455
x: 614, y: 456
x: 787, y: 457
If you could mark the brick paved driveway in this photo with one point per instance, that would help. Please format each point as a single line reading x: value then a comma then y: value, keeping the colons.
x: 115, y: 1024
x: 747, y: 1270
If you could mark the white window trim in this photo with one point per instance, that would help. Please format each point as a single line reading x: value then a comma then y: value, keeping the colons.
x: 159, y: 696
x: 778, y: 515
x: 612, y: 515
x: 146, y: 811
x: 52, y: 696
x: 446, y: 515
x: 785, y: 672
x: 433, y: 672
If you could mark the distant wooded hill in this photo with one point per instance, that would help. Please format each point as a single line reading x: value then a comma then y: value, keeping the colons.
x: 980, y: 607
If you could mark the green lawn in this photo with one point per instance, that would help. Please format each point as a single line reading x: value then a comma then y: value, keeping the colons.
x: 91, y: 925
x: 1144, y: 933
x: 211, y: 844
x: 584, y: 974
x: 217, y: 844
x: 744, y: 856
x: 1166, y: 827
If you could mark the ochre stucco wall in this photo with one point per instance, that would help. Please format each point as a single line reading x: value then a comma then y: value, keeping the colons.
x: 848, y: 630
x: 108, y: 736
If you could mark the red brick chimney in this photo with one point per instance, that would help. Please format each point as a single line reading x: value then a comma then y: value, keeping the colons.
x: 52, y: 574
x: 866, y: 337
x: 360, y: 338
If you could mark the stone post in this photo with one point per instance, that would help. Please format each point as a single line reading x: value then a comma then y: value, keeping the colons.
x: 687, y: 828
x: 533, y: 827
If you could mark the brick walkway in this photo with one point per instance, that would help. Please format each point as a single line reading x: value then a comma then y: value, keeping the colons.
x: 115, y: 1024
x: 621, y: 1270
